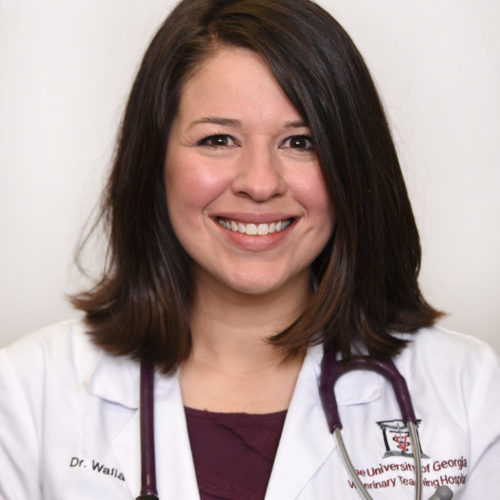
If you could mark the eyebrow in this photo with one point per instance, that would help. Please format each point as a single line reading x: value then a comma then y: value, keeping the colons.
x: 231, y: 122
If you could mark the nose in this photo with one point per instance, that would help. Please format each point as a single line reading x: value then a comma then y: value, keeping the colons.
x: 259, y: 174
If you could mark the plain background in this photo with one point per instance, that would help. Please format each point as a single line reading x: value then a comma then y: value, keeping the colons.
x: 65, y: 70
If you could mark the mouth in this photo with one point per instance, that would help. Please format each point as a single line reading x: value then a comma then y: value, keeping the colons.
x: 254, y: 228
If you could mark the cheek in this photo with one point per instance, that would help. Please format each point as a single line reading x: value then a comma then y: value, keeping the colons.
x: 310, y: 189
x: 190, y: 185
x: 314, y: 196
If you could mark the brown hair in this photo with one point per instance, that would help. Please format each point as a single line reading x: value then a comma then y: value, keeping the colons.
x: 366, y: 276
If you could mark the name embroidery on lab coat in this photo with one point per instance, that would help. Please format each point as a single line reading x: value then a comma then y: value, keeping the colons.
x: 96, y: 467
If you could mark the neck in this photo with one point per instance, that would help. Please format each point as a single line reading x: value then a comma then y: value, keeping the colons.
x: 231, y: 329
x: 232, y: 365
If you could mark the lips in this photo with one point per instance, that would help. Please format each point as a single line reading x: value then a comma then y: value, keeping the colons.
x: 254, y: 228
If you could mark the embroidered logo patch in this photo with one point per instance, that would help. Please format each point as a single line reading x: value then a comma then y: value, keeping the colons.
x: 397, y: 439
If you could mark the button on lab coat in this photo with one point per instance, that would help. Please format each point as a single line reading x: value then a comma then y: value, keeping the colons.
x: 69, y: 424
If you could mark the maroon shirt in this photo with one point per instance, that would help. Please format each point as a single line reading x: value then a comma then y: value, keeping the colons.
x: 233, y: 453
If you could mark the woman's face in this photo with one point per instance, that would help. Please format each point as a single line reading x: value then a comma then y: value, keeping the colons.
x: 245, y: 193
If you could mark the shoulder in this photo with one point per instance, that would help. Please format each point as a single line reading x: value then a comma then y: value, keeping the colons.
x: 456, y: 381
x: 440, y: 349
x: 454, y: 372
x: 58, y: 394
x: 59, y: 349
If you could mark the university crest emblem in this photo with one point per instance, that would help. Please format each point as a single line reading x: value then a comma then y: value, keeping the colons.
x: 397, y: 439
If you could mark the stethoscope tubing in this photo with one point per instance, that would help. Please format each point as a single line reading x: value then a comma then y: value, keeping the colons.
x: 331, y: 370
x: 148, y: 466
x: 357, y: 481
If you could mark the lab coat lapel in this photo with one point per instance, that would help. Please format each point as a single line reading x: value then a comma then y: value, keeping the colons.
x: 306, y: 441
x: 115, y: 381
x: 175, y: 470
x: 127, y: 450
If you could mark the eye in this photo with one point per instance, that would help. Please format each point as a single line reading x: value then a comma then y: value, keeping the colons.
x: 217, y: 141
x: 300, y: 142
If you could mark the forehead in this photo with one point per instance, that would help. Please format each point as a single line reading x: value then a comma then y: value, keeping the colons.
x: 234, y: 80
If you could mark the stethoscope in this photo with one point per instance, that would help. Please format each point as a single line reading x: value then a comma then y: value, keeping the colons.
x: 331, y: 370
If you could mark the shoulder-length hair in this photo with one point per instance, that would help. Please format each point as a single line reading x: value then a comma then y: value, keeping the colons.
x: 365, y: 279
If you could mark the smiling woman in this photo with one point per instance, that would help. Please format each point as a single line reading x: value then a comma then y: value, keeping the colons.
x: 261, y: 245
x: 245, y: 192
x: 188, y: 97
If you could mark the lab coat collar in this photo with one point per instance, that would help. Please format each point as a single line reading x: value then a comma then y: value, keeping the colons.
x: 115, y: 379
x: 112, y: 377
x: 306, y: 441
x: 304, y: 446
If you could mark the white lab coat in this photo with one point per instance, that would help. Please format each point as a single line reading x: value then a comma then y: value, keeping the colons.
x: 69, y: 424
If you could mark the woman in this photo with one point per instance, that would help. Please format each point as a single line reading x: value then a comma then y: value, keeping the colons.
x: 257, y: 216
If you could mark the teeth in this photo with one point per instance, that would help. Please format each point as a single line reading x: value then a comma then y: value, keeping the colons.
x: 255, y: 229
x: 262, y: 229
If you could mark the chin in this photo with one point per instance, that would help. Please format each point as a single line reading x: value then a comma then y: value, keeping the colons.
x: 253, y: 281
x: 265, y: 284
x: 256, y: 289
x: 253, y: 286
